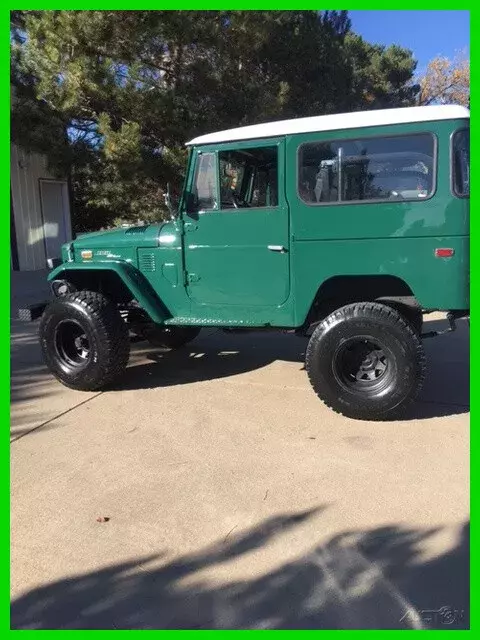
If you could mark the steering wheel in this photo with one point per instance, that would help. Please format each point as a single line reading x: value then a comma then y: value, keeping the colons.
x: 237, y: 203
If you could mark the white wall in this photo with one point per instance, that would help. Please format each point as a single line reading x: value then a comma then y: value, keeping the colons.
x: 26, y: 172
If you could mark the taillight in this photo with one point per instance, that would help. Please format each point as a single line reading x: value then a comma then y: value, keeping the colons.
x: 444, y: 253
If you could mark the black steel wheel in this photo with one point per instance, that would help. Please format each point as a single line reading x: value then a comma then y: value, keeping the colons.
x: 72, y: 344
x: 359, y: 363
x: 366, y: 361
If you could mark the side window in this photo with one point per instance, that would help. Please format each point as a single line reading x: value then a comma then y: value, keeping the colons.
x: 372, y: 169
x: 461, y: 163
x: 248, y: 178
x: 205, y: 182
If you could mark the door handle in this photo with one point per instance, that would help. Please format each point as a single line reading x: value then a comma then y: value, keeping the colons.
x: 277, y: 247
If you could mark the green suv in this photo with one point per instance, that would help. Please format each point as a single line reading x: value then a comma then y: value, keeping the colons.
x: 343, y: 228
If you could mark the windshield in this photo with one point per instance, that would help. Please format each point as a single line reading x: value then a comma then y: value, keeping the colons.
x: 461, y: 163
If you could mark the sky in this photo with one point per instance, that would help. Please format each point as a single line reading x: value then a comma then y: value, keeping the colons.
x: 427, y: 33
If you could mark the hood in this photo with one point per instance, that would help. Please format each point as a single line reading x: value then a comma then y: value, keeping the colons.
x: 140, y: 236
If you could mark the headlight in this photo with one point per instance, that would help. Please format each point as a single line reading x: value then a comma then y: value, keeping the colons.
x: 62, y: 288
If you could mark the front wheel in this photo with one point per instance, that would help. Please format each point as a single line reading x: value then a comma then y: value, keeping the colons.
x: 366, y: 361
x: 84, y: 340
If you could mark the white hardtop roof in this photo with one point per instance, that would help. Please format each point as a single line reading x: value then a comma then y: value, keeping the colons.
x: 355, y: 120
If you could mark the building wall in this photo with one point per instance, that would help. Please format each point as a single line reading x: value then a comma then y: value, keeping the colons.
x: 26, y: 173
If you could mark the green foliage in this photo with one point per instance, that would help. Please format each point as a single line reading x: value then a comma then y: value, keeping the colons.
x: 382, y: 76
x: 112, y: 96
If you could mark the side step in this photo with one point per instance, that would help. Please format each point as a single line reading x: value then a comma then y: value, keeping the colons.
x: 32, y: 312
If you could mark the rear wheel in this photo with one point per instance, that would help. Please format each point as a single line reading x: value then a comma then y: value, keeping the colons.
x: 366, y: 361
x: 84, y: 340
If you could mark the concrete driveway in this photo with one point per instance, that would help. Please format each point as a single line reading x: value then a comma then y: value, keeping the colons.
x: 230, y: 497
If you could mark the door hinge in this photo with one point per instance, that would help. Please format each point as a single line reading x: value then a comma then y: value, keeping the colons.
x: 192, y: 277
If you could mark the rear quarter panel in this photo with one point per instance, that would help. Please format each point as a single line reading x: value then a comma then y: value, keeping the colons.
x: 384, y: 238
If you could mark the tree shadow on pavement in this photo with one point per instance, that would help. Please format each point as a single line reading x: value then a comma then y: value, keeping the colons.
x: 375, y: 579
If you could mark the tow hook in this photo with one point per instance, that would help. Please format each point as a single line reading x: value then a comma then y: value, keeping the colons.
x: 452, y: 317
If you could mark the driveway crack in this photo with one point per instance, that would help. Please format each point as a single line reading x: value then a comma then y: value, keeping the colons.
x: 39, y: 426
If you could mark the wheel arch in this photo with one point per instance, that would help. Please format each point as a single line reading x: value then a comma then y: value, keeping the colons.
x: 119, y: 281
x: 338, y: 291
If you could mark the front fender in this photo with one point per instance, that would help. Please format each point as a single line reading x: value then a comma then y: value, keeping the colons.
x: 137, y: 284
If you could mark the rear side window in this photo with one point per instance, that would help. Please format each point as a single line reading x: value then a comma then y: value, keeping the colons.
x: 372, y: 169
x: 461, y: 163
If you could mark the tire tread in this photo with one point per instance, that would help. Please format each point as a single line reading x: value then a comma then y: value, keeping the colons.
x: 108, y: 324
x: 387, y: 315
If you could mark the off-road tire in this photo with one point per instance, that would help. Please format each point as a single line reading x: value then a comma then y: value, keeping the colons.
x: 170, y: 337
x: 393, y: 350
x: 103, y: 348
x: 411, y: 314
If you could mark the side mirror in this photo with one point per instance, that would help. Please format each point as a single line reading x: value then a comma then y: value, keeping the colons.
x: 168, y: 201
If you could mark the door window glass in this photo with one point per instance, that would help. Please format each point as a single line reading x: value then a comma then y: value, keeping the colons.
x: 249, y: 178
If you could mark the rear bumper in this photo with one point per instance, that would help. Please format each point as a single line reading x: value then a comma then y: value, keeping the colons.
x: 452, y: 317
x: 457, y: 315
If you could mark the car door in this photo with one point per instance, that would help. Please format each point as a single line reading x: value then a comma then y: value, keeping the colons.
x: 237, y: 226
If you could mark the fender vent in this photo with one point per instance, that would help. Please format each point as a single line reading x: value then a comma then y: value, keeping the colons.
x: 137, y: 229
x: 147, y: 262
